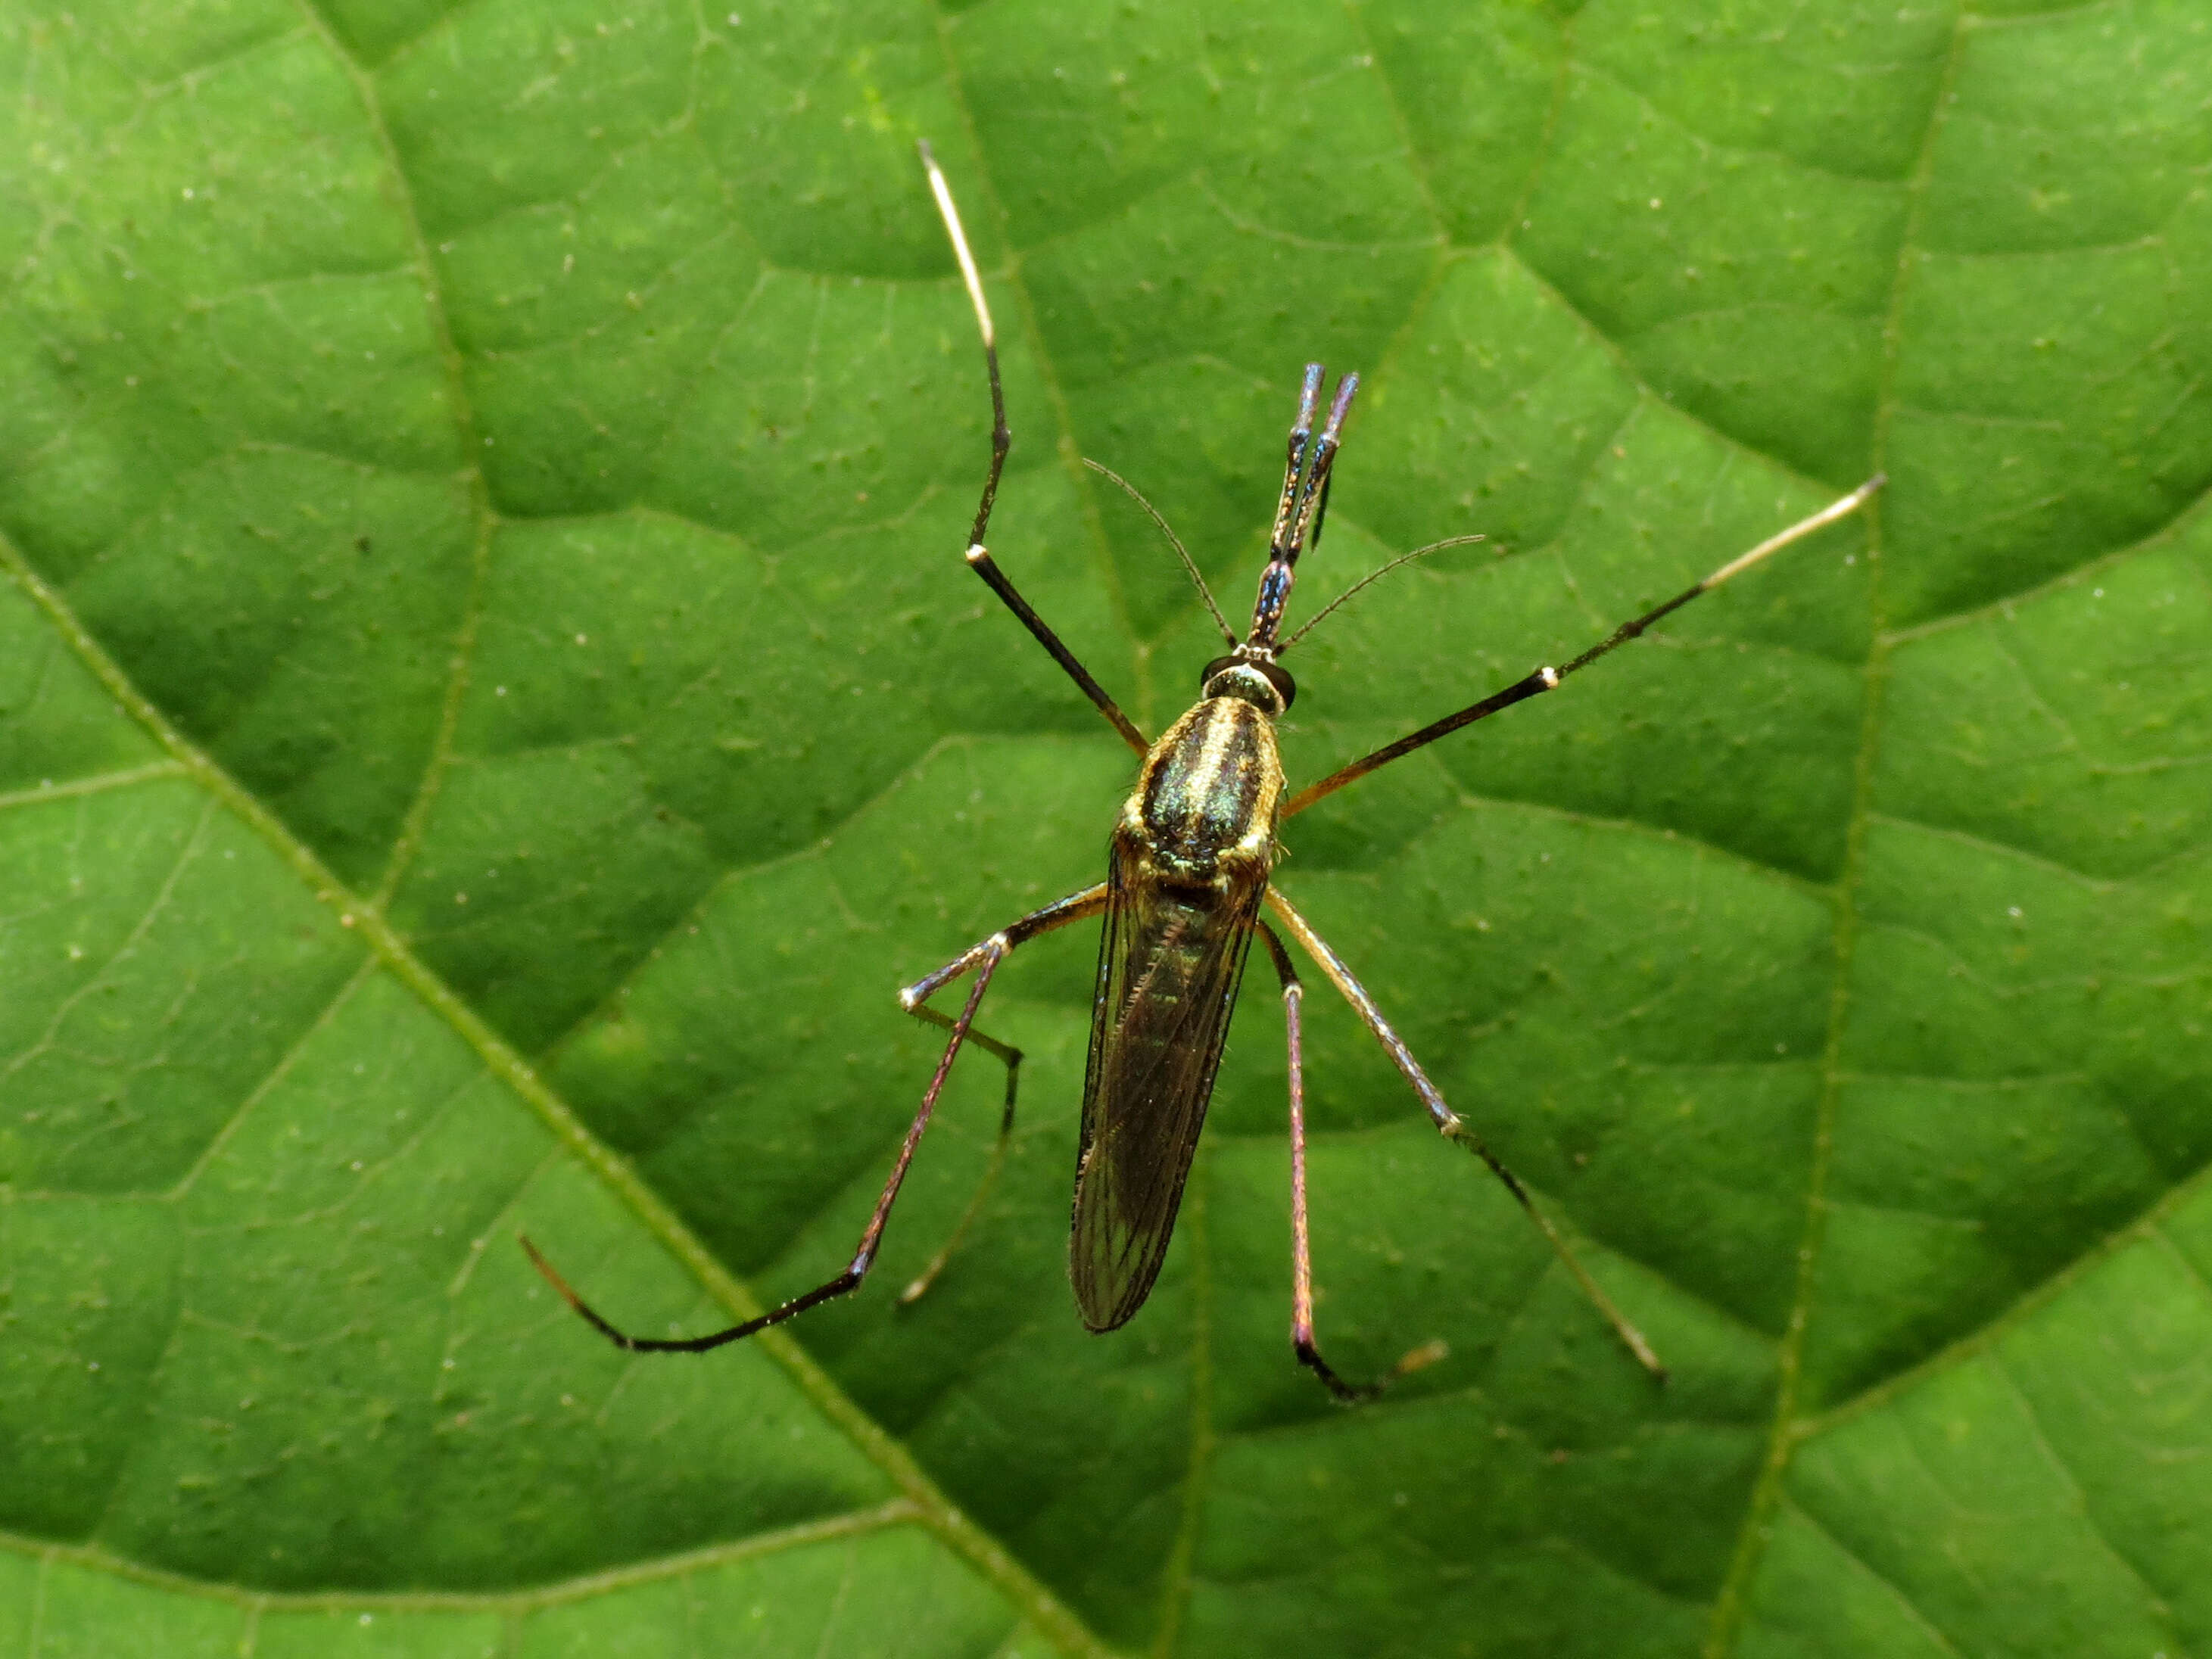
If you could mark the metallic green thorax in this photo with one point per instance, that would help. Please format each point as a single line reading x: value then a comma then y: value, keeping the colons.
x: 1204, y: 808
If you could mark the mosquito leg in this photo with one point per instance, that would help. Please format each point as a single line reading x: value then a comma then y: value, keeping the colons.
x: 1074, y: 908
x: 1002, y: 439
x: 1012, y: 1058
x: 863, y: 1258
x: 1302, y: 1297
x: 1452, y: 1126
x: 983, y: 959
x: 1548, y: 679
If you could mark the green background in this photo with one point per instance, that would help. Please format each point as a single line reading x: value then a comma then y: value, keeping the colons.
x: 491, y: 708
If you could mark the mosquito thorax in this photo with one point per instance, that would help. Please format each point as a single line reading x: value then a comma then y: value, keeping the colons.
x: 1252, y: 679
x: 1203, y: 812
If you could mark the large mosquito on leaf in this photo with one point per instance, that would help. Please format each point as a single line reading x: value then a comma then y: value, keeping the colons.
x: 1187, y: 882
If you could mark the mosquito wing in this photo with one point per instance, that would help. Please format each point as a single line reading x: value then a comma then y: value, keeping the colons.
x: 1169, y: 966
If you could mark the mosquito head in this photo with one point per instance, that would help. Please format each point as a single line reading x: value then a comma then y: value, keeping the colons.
x: 1303, y: 503
x: 1251, y: 674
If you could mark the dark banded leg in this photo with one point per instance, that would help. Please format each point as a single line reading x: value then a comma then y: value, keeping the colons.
x: 1302, y: 1296
x: 1548, y: 679
x: 1074, y: 908
x: 1010, y: 1057
x: 1002, y: 439
x: 1452, y: 1126
x: 983, y: 959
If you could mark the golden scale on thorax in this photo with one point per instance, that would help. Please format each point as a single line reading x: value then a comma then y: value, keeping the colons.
x: 1203, y: 812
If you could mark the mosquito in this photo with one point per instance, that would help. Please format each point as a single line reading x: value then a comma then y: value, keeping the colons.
x: 1187, y: 880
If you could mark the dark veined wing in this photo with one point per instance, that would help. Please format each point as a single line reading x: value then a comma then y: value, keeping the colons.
x: 1169, y: 966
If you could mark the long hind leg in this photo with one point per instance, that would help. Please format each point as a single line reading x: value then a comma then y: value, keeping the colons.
x: 1073, y: 908
x: 1302, y: 1292
x: 1452, y: 1126
x: 982, y: 959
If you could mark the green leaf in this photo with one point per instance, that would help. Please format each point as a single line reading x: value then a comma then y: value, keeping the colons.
x: 491, y: 709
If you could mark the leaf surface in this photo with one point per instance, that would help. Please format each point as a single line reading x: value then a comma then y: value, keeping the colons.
x: 491, y: 709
